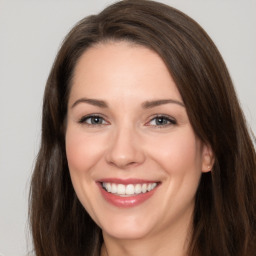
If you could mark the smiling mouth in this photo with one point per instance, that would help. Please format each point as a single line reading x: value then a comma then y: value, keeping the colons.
x: 129, y: 189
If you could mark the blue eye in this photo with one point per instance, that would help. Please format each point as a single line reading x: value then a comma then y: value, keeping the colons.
x: 92, y: 120
x: 162, y: 121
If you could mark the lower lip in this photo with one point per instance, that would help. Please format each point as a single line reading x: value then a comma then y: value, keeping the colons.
x: 128, y: 201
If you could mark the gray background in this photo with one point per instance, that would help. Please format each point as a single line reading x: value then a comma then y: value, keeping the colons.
x: 30, y: 35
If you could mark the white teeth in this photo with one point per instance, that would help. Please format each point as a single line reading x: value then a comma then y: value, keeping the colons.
x: 108, y: 187
x: 144, y: 188
x: 121, y: 189
x: 114, y: 188
x: 137, y: 189
x: 153, y: 186
x: 130, y: 189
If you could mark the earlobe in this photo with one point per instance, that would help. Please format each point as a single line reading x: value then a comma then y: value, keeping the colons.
x: 207, y: 158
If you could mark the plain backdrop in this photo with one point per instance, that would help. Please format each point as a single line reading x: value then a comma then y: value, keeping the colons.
x: 30, y: 35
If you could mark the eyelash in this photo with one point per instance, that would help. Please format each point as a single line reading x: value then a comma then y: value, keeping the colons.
x: 164, y: 118
x: 84, y: 120
x: 167, y: 119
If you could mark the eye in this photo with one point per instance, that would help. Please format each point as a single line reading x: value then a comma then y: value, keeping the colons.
x: 161, y: 120
x: 93, y: 120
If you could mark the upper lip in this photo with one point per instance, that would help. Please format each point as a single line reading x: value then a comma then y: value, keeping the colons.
x: 126, y: 181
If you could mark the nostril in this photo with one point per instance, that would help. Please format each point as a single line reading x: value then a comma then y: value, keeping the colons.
x: 123, y: 163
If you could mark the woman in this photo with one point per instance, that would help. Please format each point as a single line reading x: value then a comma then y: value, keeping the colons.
x: 144, y: 150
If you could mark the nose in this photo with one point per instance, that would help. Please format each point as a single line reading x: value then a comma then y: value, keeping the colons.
x: 125, y: 149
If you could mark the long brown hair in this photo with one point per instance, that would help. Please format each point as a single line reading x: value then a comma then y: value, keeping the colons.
x: 225, y: 208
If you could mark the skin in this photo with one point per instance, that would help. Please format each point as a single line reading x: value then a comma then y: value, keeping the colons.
x: 129, y: 143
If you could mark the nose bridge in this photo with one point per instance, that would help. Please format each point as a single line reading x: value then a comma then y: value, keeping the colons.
x: 124, y: 149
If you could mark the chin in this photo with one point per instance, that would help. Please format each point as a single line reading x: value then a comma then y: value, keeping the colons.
x: 126, y: 234
x: 126, y: 229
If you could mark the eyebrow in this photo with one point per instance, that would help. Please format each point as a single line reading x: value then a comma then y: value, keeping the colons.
x: 98, y: 103
x: 146, y: 104
x: 155, y: 103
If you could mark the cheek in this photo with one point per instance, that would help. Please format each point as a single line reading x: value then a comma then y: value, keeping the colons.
x: 178, y: 153
x: 179, y: 156
x: 82, y: 151
x: 83, y: 154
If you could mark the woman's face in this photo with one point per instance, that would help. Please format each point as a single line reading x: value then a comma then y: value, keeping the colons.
x: 134, y: 159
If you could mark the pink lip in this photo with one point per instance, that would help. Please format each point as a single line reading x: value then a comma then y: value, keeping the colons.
x: 125, y: 202
x: 126, y: 181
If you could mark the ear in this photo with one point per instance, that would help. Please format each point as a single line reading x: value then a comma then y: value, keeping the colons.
x: 207, y: 158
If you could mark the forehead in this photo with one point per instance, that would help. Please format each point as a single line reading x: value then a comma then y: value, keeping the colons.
x: 122, y: 69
